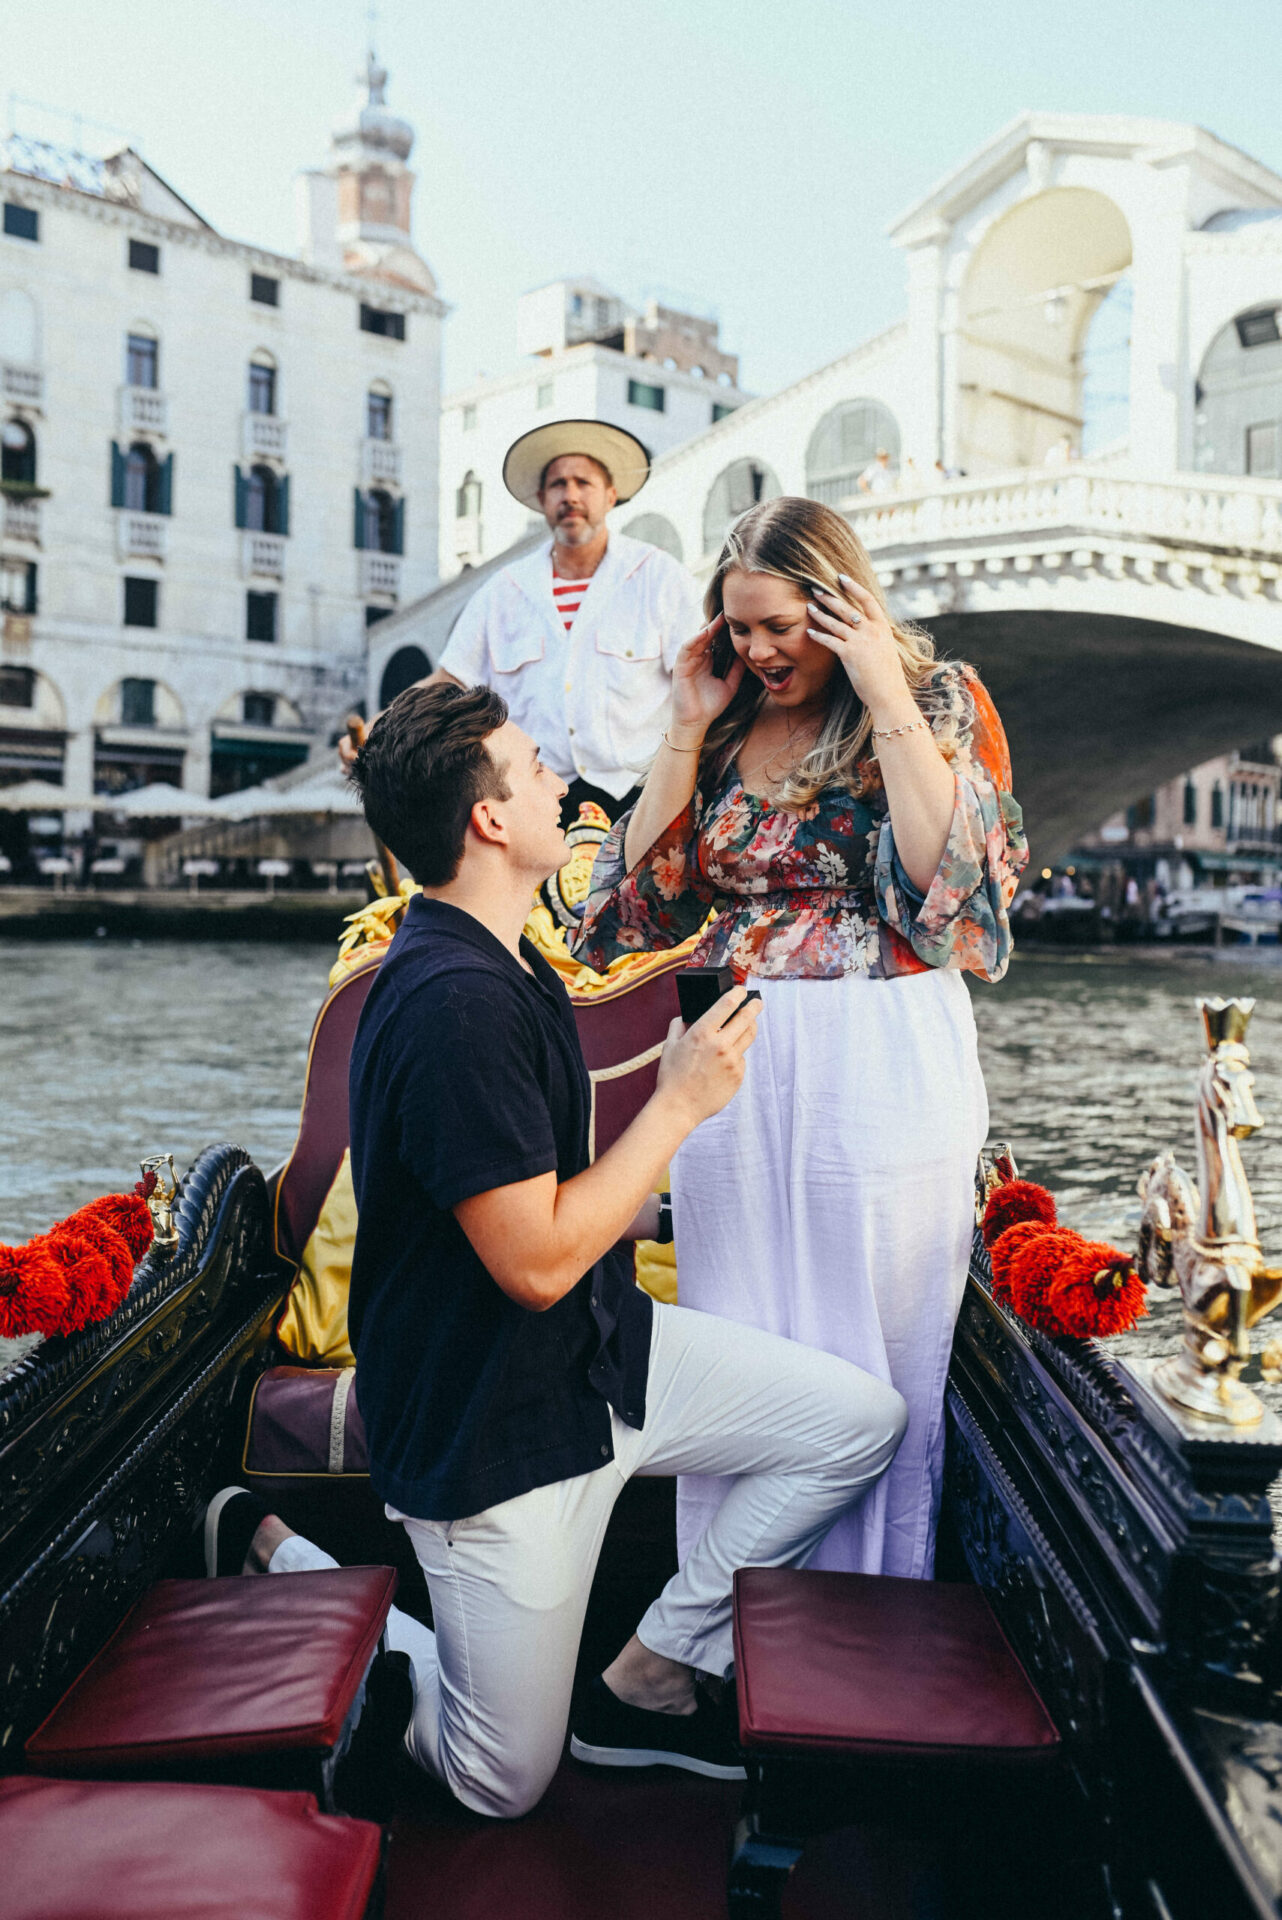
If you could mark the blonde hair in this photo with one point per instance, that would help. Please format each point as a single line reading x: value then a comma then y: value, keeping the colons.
x: 803, y: 542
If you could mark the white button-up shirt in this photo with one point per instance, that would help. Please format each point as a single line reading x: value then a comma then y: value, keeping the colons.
x: 595, y: 699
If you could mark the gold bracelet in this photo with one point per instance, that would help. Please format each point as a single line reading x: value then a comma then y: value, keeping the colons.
x: 675, y: 748
x: 909, y: 726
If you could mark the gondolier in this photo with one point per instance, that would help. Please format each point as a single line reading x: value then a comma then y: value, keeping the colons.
x: 580, y: 636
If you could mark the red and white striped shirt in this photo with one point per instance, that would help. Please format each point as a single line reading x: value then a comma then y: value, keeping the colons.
x: 568, y: 595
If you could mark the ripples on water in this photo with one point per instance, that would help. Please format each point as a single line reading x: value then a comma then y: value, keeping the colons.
x: 109, y: 1052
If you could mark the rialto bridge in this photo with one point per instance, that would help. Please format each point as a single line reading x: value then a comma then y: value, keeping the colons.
x: 1081, y: 417
x: 1127, y: 628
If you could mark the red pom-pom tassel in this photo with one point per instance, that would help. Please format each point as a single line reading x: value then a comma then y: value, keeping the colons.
x: 125, y: 1213
x: 34, y: 1293
x: 1004, y: 1249
x: 1098, y: 1292
x: 1033, y: 1273
x: 1015, y: 1201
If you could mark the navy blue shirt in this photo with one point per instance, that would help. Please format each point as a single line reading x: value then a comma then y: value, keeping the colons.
x: 466, y: 1075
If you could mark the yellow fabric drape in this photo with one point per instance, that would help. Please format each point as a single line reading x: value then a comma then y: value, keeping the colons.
x: 313, y: 1326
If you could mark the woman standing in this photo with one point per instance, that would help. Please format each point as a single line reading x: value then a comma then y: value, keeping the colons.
x: 841, y: 802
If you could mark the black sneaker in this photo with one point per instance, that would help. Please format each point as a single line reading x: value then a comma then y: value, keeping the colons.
x: 232, y: 1518
x: 607, y: 1732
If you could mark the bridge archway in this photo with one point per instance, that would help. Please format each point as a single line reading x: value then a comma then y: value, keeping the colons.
x: 1238, y: 422
x: 1030, y: 292
x: 1101, y: 709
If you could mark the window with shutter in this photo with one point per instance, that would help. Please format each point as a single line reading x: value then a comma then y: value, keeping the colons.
x: 358, y: 530
x: 118, y: 464
x: 241, y: 492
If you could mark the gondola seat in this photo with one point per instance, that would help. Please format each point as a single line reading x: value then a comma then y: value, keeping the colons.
x: 872, y: 1699
x: 243, y: 1680
x: 857, y: 1666
x: 127, y: 1850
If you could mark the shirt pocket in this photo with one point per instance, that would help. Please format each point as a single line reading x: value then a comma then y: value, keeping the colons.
x: 630, y: 641
x: 517, y: 646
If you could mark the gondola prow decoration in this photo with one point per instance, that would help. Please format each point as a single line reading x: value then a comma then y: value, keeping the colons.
x: 1204, y: 1239
x: 159, y: 1188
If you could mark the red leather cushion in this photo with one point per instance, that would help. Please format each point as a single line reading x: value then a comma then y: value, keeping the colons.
x: 124, y: 1850
x: 618, y: 1029
x: 857, y: 1664
x: 322, y: 1126
x: 206, y: 1669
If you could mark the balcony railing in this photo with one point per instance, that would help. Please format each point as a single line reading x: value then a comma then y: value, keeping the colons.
x: 22, y: 520
x: 264, y: 555
x: 1238, y: 514
x: 141, y: 535
x: 143, y: 410
x: 381, y: 573
x: 265, y: 437
x: 380, y: 463
x: 23, y: 385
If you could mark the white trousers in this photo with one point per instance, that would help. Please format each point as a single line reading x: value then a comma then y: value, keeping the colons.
x: 803, y: 1433
x: 832, y: 1201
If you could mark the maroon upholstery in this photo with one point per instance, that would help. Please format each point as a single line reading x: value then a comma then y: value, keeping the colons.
x: 620, y: 1026
x: 857, y: 1665
x: 204, y: 1670
x: 322, y: 1126
x: 124, y: 1850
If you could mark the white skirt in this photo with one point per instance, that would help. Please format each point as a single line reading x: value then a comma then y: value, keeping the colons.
x: 832, y: 1201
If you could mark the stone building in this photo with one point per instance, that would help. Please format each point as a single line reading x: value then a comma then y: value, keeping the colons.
x: 1220, y: 820
x: 660, y: 373
x: 219, y: 463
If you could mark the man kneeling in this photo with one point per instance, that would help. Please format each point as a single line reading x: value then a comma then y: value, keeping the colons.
x: 510, y: 1374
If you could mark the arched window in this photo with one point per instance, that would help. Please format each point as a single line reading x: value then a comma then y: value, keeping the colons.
x: 17, y: 454
x: 736, y: 488
x: 142, y: 359
x: 845, y: 443
x: 1217, y: 805
x: 262, y: 501
x: 142, y: 479
x: 262, y: 384
x: 1190, y: 803
x: 1238, y: 423
x: 467, y: 501
x: 658, y: 531
x: 378, y: 413
x: 406, y: 665
x: 380, y: 522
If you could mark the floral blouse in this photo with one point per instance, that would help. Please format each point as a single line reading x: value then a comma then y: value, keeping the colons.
x: 820, y: 892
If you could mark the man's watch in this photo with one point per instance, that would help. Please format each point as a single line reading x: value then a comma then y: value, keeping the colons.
x: 664, y: 1236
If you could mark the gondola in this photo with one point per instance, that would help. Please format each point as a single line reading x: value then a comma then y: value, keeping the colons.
x: 1125, y: 1546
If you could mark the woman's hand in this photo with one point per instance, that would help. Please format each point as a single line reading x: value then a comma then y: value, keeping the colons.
x: 698, y: 697
x: 858, y: 631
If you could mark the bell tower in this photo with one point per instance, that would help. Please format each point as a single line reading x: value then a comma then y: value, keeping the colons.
x: 356, y: 210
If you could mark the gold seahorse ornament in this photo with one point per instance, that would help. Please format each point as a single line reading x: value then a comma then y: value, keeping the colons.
x: 1204, y: 1240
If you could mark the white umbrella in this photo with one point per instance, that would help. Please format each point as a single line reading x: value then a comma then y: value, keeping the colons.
x: 157, y: 802
x: 327, y: 794
x: 41, y: 796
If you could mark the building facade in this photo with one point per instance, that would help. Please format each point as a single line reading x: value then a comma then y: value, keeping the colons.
x: 660, y: 373
x: 219, y: 463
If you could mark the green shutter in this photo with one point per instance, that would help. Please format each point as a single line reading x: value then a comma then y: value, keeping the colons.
x: 117, y: 476
x: 358, y: 536
x: 241, y: 509
x: 282, y: 505
x: 398, y: 527
x: 165, y: 485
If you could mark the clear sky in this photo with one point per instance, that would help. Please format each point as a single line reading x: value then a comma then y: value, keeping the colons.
x: 741, y: 156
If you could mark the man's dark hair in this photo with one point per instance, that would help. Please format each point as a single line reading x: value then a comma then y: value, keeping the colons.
x: 423, y: 768
x: 592, y: 460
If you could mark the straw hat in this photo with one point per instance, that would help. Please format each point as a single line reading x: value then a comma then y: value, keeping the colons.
x: 620, y: 452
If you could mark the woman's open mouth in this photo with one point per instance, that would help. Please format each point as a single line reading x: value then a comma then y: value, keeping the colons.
x: 776, y: 678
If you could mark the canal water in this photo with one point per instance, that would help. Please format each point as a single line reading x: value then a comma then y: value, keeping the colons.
x: 112, y: 1051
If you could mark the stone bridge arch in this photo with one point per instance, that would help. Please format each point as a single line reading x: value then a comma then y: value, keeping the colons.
x: 1030, y: 288
x: 1101, y: 709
